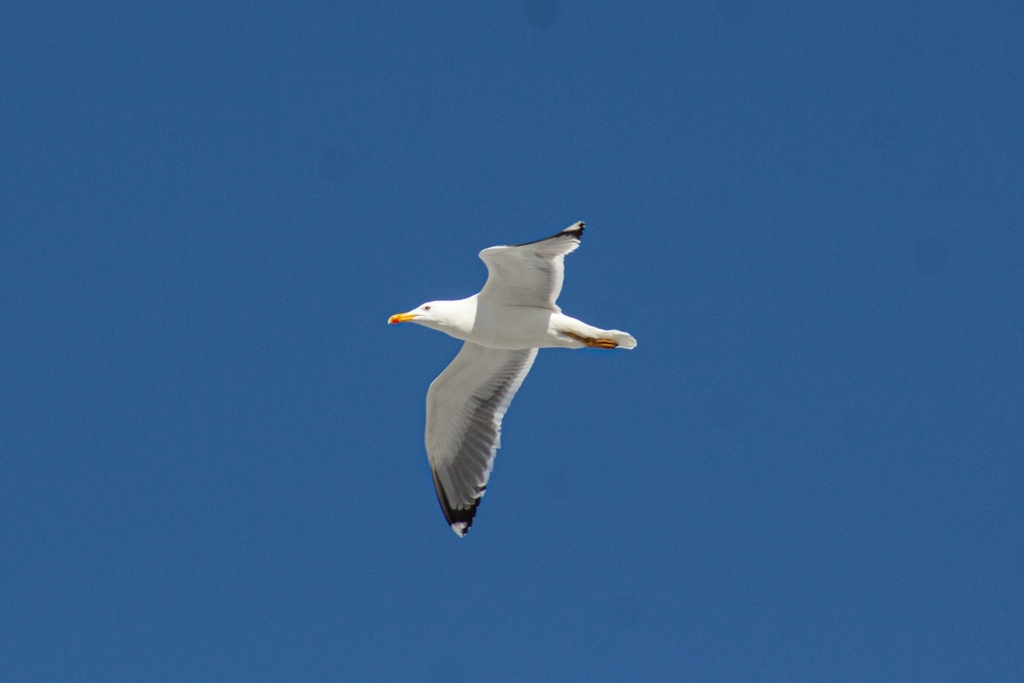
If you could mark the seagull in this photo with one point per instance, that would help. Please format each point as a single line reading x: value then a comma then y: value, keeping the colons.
x: 502, y: 328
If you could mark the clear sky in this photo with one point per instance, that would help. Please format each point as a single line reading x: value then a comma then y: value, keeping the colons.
x: 810, y: 215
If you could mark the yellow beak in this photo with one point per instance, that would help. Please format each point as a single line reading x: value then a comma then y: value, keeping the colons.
x: 400, y: 318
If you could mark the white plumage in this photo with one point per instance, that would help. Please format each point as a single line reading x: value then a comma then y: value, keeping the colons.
x: 502, y: 326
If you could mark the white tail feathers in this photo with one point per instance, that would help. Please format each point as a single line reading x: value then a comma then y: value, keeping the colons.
x: 575, y: 334
x: 623, y: 339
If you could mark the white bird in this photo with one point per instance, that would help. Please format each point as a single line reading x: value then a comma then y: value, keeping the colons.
x: 502, y: 327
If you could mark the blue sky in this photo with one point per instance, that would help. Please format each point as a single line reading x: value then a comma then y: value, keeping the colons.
x: 211, y: 443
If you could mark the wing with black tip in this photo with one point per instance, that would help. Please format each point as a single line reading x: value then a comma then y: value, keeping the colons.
x: 465, y: 406
x: 529, y: 274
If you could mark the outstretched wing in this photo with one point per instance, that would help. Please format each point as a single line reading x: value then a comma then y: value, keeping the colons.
x: 529, y: 274
x: 465, y: 405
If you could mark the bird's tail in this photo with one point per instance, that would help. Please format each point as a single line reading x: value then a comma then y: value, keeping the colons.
x: 575, y: 334
x: 623, y: 339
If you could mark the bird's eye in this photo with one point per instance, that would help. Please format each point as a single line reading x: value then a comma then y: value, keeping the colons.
x: 426, y: 308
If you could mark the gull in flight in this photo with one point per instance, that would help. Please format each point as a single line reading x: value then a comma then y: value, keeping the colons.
x: 502, y: 327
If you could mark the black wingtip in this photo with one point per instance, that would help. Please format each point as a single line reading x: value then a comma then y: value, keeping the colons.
x: 575, y: 230
x: 459, y: 519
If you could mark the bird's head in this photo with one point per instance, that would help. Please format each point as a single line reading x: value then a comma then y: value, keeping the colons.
x: 431, y: 314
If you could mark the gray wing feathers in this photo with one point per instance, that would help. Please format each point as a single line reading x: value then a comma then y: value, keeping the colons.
x: 465, y: 406
x: 529, y: 274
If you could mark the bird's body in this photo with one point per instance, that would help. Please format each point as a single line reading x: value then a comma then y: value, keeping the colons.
x: 503, y: 326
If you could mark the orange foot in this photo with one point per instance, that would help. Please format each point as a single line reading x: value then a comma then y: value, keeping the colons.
x: 592, y: 342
